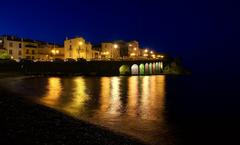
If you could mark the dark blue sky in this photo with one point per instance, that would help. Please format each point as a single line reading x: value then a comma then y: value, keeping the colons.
x: 203, y: 32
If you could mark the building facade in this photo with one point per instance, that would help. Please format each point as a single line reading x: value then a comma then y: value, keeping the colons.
x: 133, y: 49
x: 110, y: 51
x: 74, y: 48
x: 21, y: 48
x: 78, y: 47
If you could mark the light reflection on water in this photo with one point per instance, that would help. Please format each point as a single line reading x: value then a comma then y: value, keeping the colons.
x: 132, y: 105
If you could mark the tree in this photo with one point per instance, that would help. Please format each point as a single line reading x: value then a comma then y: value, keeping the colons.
x: 4, y: 55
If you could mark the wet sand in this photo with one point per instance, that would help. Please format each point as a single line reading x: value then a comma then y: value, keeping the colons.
x: 24, y: 122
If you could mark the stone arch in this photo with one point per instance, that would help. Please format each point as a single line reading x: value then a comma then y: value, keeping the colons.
x: 161, y: 66
x: 150, y: 68
x: 124, y: 70
x: 154, y: 68
x: 157, y: 68
x: 141, y: 69
x: 134, y: 69
x: 146, y: 68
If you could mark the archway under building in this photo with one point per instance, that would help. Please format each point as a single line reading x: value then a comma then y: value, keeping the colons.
x: 141, y: 69
x: 150, y: 68
x: 124, y: 70
x: 146, y: 69
x: 134, y: 69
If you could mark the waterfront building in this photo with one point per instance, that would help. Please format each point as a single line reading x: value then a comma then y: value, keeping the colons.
x: 22, y: 48
x: 133, y: 49
x: 119, y: 49
x: 110, y: 50
x: 78, y: 47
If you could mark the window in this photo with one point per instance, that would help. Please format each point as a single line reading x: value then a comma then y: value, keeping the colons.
x: 33, y: 57
x: 70, y: 47
x: 10, y: 51
x: 20, y: 45
x: 33, y: 52
x: 10, y: 44
x: 27, y: 51
x: 19, y: 52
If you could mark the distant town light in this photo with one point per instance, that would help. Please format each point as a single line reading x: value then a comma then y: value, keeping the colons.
x: 80, y: 43
x: 146, y: 50
x: 132, y: 54
x: 130, y: 45
x: 160, y: 56
x: 53, y: 51
x: 151, y: 52
x: 115, y: 46
x: 135, y: 48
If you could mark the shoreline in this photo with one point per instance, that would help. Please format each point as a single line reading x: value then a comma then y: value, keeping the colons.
x: 26, y: 122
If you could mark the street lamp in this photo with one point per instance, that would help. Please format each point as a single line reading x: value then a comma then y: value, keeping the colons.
x: 54, y: 52
x: 115, y: 46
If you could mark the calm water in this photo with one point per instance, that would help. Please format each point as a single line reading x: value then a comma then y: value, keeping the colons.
x: 155, y: 109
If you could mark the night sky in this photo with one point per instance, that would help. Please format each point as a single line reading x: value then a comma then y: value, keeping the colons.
x: 204, y: 33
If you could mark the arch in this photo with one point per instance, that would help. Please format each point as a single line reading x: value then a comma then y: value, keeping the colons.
x: 157, y: 68
x: 146, y: 68
x: 141, y: 69
x: 134, y: 69
x: 161, y: 66
x: 124, y: 70
x: 154, y: 68
x: 150, y: 68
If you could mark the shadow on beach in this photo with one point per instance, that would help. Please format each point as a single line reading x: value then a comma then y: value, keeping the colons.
x: 24, y: 122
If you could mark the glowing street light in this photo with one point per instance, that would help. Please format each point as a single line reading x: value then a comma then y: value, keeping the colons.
x: 146, y: 50
x: 80, y: 43
x: 151, y: 52
x: 132, y: 54
x: 115, y: 46
x: 53, y: 51
x: 57, y: 51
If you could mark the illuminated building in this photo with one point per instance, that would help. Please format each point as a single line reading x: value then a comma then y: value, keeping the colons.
x: 109, y: 50
x: 78, y: 47
x: 22, y: 48
x: 133, y: 49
